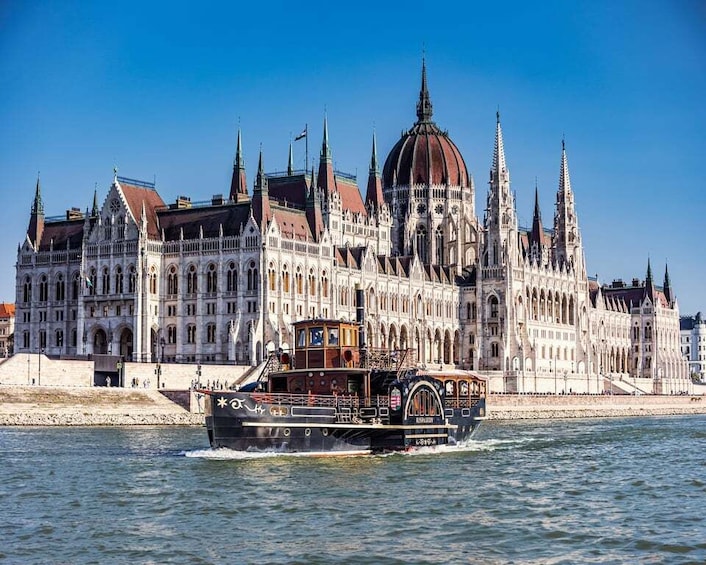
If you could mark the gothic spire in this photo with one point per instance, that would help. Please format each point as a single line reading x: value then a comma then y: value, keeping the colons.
x: 326, y: 179
x: 36, y: 219
x: 373, y: 195
x: 94, y: 208
x: 564, y: 180
x: 325, y: 149
x: 649, y: 282
x: 424, y: 107
x: 37, y: 204
x: 566, y: 240
x: 668, y: 286
x: 238, y: 184
x: 499, y: 165
x: 537, y: 233
x: 290, y: 161
x: 313, y: 209
x: 261, y: 198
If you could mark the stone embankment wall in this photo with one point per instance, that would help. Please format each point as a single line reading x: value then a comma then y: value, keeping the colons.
x: 101, y: 406
x: 40, y: 370
x: 91, y: 406
x: 518, y: 407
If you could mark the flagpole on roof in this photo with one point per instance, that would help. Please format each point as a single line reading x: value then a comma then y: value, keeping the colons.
x: 306, y: 140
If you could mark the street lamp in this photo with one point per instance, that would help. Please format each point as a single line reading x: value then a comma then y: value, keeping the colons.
x: 162, y: 343
x: 158, y: 372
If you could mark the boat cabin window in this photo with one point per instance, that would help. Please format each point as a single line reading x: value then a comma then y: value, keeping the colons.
x: 301, y: 338
x: 450, y: 388
x: 355, y: 384
x: 316, y: 336
x: 333, y: 336
x: 464, y: 388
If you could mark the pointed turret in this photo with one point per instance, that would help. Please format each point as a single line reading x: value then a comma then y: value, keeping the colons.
x: 290, y: 161
x: 373, y: 196
x: 238, y: 184
x: 424, y: 107
x: 501, y: 244
x: 36, y: 219
x: 567, y: 238
x: 536, y: 236
x: 327, y: 181
x: 261, y: 198
x: 649, y: 283
x: 94, y: 209
x: 313, y: 209
x: 499, y: 165
x: 668, y: 294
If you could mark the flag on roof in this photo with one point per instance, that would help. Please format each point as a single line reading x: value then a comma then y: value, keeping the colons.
x: 301, y: 135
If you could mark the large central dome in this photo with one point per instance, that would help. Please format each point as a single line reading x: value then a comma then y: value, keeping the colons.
x: 425, y: 154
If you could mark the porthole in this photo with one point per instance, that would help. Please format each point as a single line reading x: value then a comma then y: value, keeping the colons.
x: 307, y: 432
x: 324, y: 432
x: 287, y: 432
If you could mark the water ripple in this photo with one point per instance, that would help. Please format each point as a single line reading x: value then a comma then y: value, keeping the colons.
x: 585, y: 491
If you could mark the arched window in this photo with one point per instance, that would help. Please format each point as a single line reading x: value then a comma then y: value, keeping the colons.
x: 494, y: 350
x: 439, y: 237
x: 191, y: 280
x: 299, y: 281
x: 59, y: 288
x: 324, y: 284
x: 27, y: 291
x: 252, y: 276
x: 75, y: 286
x: 421, y: 243
x: 285, y: 278
x: 105, y: 281
x: 211, y: 279
x: 171, y: 334
x: 118, y: 279
x: 172, y: 280
x: 191, y: 333
x: 493, y: 306
x: 312, y: 283
x: 271, y: 277
x: 231, y: 278
x: 92, y: 282
x: 211, y: 333
x: 43, y: 289
x: 132, y: 281
x: 153, y: 280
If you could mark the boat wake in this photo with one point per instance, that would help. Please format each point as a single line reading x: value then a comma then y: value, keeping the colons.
x: 470, y: 446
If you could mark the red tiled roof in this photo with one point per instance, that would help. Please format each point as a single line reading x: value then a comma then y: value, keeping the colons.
x: 7, y: 310
x: 135, y: 196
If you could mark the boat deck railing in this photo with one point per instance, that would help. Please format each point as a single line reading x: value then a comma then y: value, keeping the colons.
x: 329, y: 400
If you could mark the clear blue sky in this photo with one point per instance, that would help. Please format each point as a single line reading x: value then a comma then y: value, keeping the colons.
x: 159, y: 90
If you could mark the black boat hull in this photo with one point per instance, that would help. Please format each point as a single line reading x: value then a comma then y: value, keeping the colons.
x: 252, y: 422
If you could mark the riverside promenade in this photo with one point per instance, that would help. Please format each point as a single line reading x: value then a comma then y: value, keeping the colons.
x: 102, y: 406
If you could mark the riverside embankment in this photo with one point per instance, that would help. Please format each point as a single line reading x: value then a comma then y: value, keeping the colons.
x: 100, y: 406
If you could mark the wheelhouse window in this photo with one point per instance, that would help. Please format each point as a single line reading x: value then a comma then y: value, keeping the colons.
x: 316, y: 336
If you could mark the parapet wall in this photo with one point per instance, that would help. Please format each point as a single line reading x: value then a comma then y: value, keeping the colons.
x: 34, y: 369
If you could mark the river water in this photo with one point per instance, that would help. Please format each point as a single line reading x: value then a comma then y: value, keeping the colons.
x: 542, y: 492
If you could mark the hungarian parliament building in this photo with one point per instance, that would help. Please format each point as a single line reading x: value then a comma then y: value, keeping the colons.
x: 221, y: 281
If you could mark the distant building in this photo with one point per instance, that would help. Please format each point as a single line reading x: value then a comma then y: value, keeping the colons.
x: 693, y: 343
x: 7, y: 328
x: 222, y: 281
